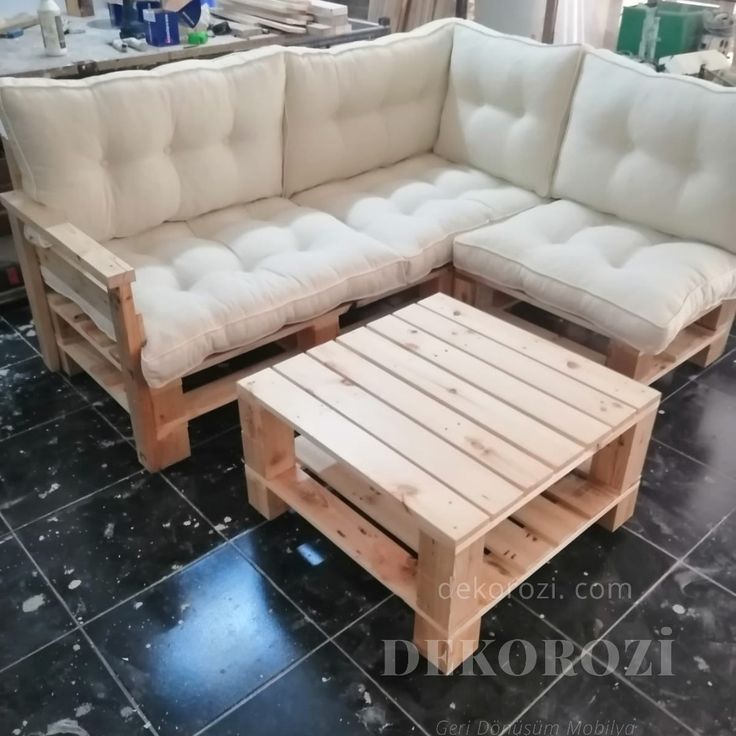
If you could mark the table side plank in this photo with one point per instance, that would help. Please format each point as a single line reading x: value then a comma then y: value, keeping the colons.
x: 497, y: 454
x: 572, y: 392
x: 452, y: 467
x: 582, y: 369
x: 438, y: 509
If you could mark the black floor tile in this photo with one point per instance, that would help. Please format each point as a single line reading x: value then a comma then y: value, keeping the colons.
x: 676, y: 379
x: 323, y: 581
x: 680, y: 500
x: 201, y: 641
x: 699, y: 421
x: 324, y: 694
x: 214, y: 423
x: 430, y: 699
x: 31, y: 394
x: 213, y: 479
x: 698, y: 620
x: 30, y: 614
x: 589, y: 704
x: 104, y: 403
x: 722, y: 374
x: 112, y: 545
x: 19, y: 316
x: 592, y: 582
x: 716, y: 556
x: 57, y: 463
x: 64, y: 689
x: 13, y: 348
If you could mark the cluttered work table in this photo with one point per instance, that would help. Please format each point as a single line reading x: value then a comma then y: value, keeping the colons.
x: 90, y: 50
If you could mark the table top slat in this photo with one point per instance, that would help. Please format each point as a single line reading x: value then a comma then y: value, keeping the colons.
x: 503, y: 420
x: 540, y: 407
x: 588, y: 372
x: 423, y: 449
x: 512, y: 463
x: 580, y: 396
x: 437, y: 509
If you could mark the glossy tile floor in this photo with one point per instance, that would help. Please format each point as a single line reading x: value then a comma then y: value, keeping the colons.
x: 161, y: 604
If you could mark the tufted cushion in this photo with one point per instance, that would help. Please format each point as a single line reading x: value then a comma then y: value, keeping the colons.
x: 356, y: 107
x: 230, y: 277
x: 652, y: 148
x: 124, y: 152
x: 628, y: 282
x: 507, y: 105
x: 416, y: 207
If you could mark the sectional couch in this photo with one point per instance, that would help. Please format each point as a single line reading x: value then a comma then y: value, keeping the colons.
x: 169, y: 220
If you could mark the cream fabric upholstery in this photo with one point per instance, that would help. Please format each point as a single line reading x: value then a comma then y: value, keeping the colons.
x: 121, y: 153
x: 229, y: 277
x: 417, y: 206
x: 628, y: 282
x: 507, y: 105
x: 356, y: 107
x: 655, y: 149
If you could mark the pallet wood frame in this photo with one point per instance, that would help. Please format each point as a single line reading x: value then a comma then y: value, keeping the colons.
x: 702, y: 342
x: 372, y: 428
x: 71, y: 341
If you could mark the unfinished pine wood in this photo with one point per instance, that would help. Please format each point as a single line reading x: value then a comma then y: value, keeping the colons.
x: 418, y: 430
x: 717, y: 323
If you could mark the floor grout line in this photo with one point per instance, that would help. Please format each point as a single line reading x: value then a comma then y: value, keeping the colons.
x: 46, y: 422
x: 713, y: 470
x: 85, y: 635
x: 69, y: 632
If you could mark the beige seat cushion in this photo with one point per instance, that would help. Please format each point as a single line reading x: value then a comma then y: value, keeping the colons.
x: 221, y: 280
x: 417, y: 206
x: 626, y: 281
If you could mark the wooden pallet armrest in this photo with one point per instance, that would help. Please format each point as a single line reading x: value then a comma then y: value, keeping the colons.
x: 76, y: 247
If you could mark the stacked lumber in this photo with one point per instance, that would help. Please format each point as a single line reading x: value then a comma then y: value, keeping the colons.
x: 314, y: 17
x: 407, y: 14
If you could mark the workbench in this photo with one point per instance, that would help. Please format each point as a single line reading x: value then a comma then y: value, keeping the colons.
x: 90, y: 52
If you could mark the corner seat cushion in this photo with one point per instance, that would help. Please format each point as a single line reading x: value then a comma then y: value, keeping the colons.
x: 628, y: 282
x: 417, y: 206
x: 222, y: 280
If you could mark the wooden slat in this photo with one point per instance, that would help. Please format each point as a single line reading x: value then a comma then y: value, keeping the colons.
x: 495, y: 415
x: 541, y: 408
x: 452, y: 467
x: 384, y: 509
x: 552, y: 521
x: 567, y: 362
x: 517, y: 547
x: 103, y: 372
x: 436, y: 508
x: 354, y: 535
x: 90, y: 294
x: 85, y: 327
x: 578, y: 395
x: 507, y: 460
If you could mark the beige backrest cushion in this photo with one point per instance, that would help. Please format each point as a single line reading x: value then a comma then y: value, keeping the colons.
x: 121, y: 153
x: 363, y: 105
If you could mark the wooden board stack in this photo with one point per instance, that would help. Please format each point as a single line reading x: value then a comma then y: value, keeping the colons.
x: 314, y: 17
x: 407, y: 14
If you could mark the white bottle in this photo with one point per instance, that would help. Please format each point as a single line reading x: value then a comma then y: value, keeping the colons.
x: 52, y: 31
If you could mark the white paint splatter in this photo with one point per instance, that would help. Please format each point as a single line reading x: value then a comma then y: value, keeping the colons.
x: 220, y: 527
x: 188, y: 522
x: 33, y: 603
x: 678, y: 609
x: 109, y: 530
x: 137, y: 605
x: 373, y: 718
x: 65, y: 726
x: 52, y: 488
x: 74, y: 584
x: 227, y: 519
x: 183, y: 607
x: 452, y: 706
x: 703, y: 666
x: 76, y: 647
x: 83, y: 710
x: 126, y: 712
x: 325, y: 679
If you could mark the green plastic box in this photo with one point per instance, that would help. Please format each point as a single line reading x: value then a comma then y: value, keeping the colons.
x: 680, y: 29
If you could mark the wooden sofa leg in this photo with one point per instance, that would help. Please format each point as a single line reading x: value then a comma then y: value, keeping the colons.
x: 322, y: 330
x: 161, y: 435
x: 628, y: 361
x: 719, y: 321
x: 37, y: 298
x: 464, y: 290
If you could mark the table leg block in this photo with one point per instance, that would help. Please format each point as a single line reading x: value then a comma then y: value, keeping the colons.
x: 446, y: 651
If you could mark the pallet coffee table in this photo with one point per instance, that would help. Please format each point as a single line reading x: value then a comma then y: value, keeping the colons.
x: 442, y: 449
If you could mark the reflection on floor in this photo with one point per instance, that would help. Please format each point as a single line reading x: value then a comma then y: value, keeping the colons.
x: 161, y: 604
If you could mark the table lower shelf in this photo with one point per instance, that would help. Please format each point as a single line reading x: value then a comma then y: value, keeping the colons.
x: 514, y: 549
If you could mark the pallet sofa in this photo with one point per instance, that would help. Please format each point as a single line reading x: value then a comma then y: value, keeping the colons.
x: 169, y: 220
